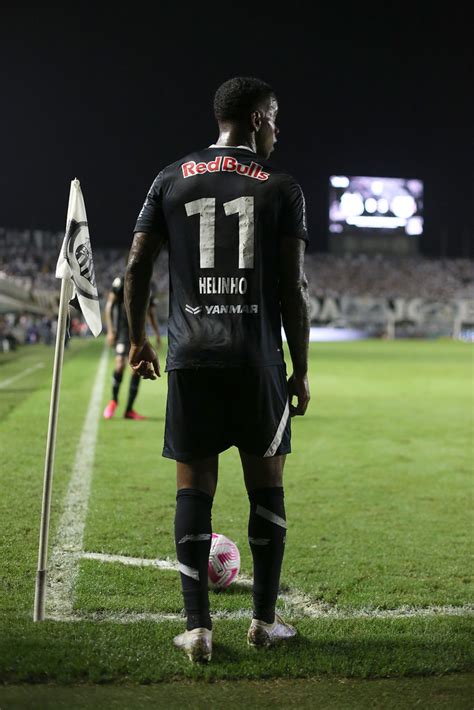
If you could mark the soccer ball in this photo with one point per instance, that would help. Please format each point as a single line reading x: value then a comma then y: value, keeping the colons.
x: 224, y: 562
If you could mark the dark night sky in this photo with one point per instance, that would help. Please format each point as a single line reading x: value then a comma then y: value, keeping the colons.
x: 112, y: 100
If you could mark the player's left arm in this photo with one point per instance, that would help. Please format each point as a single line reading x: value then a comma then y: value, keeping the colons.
x: 145, y: 248
x: 294, y: 297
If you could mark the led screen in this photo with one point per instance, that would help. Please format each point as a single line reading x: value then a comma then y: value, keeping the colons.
x: 385, y: 204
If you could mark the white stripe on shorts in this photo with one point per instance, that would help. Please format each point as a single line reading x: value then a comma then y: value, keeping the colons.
x: 279, y: 433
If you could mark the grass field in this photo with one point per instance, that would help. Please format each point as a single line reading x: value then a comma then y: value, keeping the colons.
x: 378, y: 496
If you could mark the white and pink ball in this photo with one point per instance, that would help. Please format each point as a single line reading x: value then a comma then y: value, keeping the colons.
x: 224, y: 562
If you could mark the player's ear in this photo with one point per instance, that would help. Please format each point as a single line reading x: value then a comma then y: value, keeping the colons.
x: 256, y: 120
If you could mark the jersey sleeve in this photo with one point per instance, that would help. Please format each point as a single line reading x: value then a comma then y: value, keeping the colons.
x: 293, y: 212
x: 151, y: 217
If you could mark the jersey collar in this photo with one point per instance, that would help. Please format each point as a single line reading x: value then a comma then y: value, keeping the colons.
x: 243, y: 147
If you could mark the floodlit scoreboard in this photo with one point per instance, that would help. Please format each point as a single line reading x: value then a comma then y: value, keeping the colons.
x: 375, y: 214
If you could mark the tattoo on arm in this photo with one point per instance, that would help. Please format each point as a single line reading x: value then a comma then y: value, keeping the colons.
x: 144, y: 251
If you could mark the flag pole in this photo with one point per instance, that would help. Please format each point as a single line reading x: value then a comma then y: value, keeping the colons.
x: 40, y: 590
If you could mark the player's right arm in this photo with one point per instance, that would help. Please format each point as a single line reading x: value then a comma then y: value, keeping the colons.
x: 150, y: 234
x: 145, y: 248
x: 111, y: 332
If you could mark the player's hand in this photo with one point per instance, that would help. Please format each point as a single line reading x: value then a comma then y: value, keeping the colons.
x: 298, y: 387
x: 111, y: 338
x: 158, y: 341
x: 144, y: 361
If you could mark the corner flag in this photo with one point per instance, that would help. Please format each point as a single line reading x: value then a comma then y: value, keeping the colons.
x: 76, y: 271
x: 75, y: 260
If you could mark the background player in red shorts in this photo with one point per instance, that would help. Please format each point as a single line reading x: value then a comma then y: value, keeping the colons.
x: 118, y: 337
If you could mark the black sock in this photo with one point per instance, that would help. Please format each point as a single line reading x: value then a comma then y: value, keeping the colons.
x: 116, y: 380
x: 132, y: 392
x: 193, y: 531
x: 267, y: 533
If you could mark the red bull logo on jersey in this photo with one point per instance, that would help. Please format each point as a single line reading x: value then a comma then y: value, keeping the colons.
x: 224, y: 164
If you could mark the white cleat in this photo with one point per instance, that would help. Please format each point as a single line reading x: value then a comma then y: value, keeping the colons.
x: 197, y: 644
x: 262, y: 635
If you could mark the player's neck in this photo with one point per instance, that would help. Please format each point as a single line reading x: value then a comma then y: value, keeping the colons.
x: 234, y: 136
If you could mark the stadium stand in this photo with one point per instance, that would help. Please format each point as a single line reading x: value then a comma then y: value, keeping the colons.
x: 345, y: 290
x: 31, y: 263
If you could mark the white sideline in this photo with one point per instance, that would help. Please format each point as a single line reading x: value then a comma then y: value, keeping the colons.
x: 21, y: 374
x: 68, y: 551
x: 63, y: 567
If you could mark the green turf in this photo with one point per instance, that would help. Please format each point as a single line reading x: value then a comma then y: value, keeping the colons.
x: 377, y: 498
x: 453, y: 692
x: 35, y: 365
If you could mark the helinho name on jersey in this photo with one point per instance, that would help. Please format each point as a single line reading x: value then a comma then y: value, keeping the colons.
x: 222, y: 284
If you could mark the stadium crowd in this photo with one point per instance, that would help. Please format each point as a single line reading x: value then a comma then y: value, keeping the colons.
x: 32, y: 263
x: 29, y: 258
x: 382, y: 276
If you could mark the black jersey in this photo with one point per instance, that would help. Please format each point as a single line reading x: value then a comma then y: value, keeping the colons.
x: 224, y: 211
x: 119, y: 314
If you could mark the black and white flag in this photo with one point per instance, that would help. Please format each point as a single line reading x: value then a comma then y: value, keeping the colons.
x: 75, y: 260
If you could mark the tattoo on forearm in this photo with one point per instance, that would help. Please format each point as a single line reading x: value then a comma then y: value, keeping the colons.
x: 144, y: 250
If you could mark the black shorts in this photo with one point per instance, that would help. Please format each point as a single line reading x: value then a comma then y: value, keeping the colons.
x: 210, y: 409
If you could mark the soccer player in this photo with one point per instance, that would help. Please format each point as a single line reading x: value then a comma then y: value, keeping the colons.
x: 118, y: 337
x: 236, y: 231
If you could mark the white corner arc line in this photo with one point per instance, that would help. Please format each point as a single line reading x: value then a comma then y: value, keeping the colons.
x: 293, y: 603
x: 291, y: 612
x: 135, y: 617
x: 21, y: 374
x: 63, y: 566
x: 166, y: 564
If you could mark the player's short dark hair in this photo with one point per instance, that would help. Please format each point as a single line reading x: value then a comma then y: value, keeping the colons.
x: 237, y: 97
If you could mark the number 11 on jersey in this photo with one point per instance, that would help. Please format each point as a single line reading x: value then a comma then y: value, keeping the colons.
x: 206, y: 209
